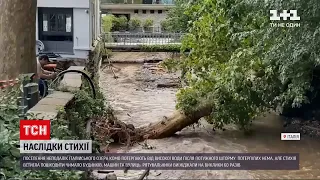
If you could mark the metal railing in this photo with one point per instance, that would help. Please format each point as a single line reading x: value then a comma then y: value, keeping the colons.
x: 137, y: 39
x: 151, y: 29
x: 170, y: 2
x: 29, y: 95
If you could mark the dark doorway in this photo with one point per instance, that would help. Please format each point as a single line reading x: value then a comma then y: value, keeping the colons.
x: 56, y: 29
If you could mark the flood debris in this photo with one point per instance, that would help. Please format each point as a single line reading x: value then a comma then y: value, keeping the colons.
x: 145, y: 173
x: 168, y: 85
x: 111, y: 176
x: 104, y: 129
x: 105, y: 171
x: 309, y: 128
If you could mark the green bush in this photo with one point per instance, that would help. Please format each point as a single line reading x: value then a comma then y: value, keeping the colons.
x: 148, y: 23
x: 164, y: 25
x: 9, y: 144
x: 69, y: 125
x: 134, y: 24
x: 120, y: 23
x: 107, y: 23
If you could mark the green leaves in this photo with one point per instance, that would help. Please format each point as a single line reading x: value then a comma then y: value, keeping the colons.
x: 242, y: 63
x: 70, y: 125
x: 107, y: 23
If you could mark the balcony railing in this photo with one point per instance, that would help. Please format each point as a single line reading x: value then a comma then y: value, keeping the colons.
x: 137, y: 39
x: 137, y: 2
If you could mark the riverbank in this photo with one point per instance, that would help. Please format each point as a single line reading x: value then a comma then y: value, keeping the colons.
x: 309, y: 128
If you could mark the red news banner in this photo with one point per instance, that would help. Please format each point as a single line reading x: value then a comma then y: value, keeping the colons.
x: 35, y: 129
x: 40, y: 152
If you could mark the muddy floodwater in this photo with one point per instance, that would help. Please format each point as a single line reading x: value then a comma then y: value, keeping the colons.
x: 137, y: 100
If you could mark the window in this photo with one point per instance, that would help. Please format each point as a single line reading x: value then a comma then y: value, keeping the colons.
x: 61, y: 25
x: 144, y: 11
x: 159, y: 11
x: 55, y: 24
x: 45, y: 22
x: 68, y: 23
x: 151, y: 11
x: 55, y: 29
x: 52, y: 22
x: 136, y: 11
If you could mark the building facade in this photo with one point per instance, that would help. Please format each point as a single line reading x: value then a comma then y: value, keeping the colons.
x: 141, y: 9
x: 68, y: 27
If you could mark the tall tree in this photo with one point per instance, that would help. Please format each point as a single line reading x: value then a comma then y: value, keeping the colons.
x: 17, y: 37
x: 240, y: 67
x: 177, y: 19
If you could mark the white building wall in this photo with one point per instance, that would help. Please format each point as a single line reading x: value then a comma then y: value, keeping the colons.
x: 94, y: 29
x: 81, y: 24
x: 98, y: 19
x: 64, y: 3
x: 81, y: 31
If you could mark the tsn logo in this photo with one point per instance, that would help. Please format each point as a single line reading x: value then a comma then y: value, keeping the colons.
x: 34, y: 129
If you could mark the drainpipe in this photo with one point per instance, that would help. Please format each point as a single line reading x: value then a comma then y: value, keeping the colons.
x: 77, y: 41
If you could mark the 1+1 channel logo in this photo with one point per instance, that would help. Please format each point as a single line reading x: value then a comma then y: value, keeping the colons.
x: 285, y: 16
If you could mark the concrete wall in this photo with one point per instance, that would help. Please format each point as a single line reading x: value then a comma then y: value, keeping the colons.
x: 82, y: 25
x: 94, y: 20
x: 64, y: 3
x: 98, y: 19
x: 81, y: 29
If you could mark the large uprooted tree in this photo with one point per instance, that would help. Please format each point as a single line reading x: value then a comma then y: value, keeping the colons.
x: 239, y: 67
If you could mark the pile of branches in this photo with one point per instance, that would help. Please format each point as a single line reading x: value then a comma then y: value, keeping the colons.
x: 110, y: 130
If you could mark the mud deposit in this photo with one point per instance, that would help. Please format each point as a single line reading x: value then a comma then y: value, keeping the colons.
x: 137, y: 100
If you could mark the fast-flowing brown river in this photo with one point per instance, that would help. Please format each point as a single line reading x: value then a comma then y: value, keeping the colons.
x: 136, y: 101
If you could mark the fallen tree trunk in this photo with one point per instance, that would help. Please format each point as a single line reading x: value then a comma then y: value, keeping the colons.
x: 175, y: 123
x: 126, y: 133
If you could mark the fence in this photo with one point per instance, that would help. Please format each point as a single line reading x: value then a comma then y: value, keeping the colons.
x: 29, y: 96
x: 150, y: 29
x: 28, y: 93
x: 137, y: 39
x: 136, y: 2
